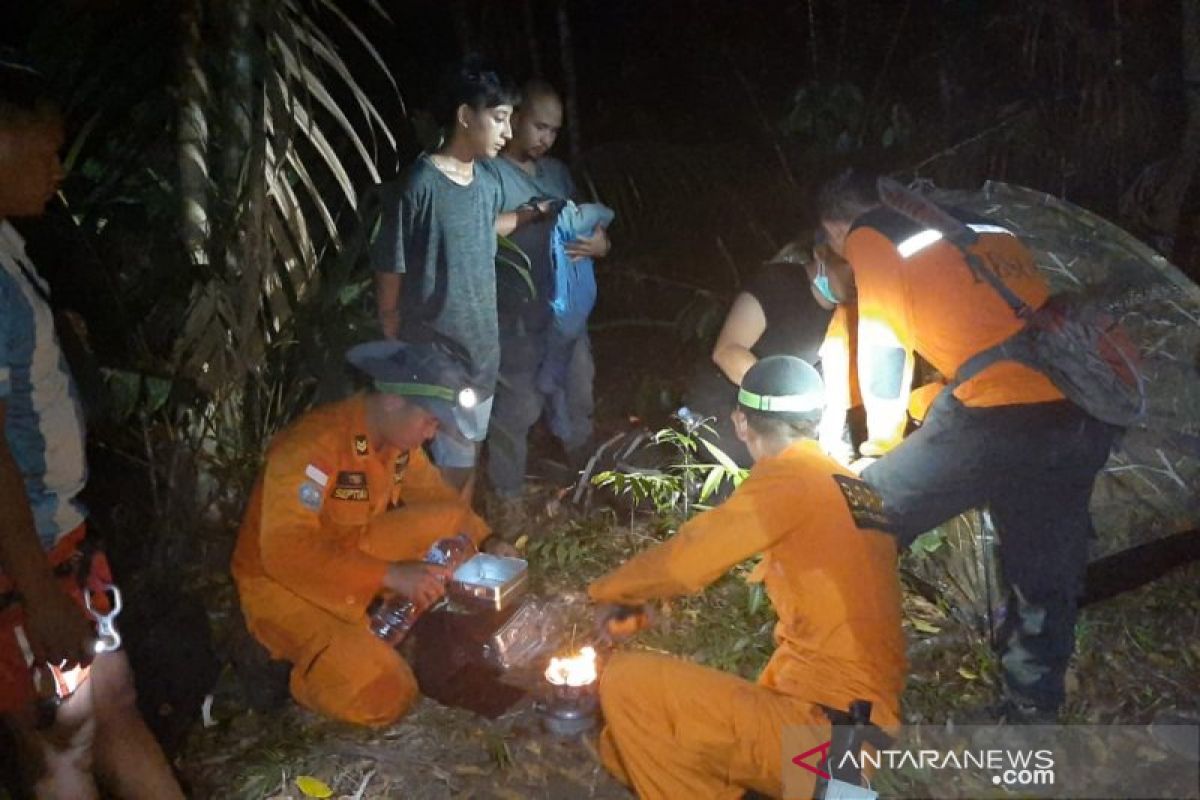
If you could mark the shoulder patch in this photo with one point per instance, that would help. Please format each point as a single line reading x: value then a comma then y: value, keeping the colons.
x: 351, y: 479
x: 864, y: 503
x: 360, y: 445
x: 311, y: 495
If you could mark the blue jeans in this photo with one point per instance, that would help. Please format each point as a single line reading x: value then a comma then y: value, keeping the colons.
x: 1034, y: 466
x: 455, y: 452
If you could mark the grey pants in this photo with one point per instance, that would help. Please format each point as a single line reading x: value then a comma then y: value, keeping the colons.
x: 1033, y: 466
x: 520, y: 403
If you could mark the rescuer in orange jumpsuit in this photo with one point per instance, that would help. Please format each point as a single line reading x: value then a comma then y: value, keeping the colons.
x: 1002, y: 436
x: 675, y: 729
x: 346, y: 506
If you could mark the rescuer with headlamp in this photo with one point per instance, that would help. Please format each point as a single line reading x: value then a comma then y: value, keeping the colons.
x: 346, y: 506
x: 678, y: 729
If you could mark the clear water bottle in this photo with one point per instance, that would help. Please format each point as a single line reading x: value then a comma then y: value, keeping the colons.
x: 392, y: 616
x: 452, y: 552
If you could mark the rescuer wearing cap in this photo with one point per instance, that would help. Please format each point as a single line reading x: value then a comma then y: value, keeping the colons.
x: 1002, y: 437
x: 676, y: 729
x: 346, y: 506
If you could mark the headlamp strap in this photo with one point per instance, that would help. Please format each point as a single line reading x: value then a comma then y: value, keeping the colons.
x: 418, y: 390
x: 793, y: 403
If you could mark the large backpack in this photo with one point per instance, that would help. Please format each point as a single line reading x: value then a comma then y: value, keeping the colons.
x: 1072, y: 339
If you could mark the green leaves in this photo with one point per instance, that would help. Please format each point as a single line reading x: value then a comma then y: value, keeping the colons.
x: 510, y: 254
x: 306, y: 137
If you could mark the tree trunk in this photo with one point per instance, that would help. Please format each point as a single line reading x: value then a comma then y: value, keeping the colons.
x: 192, y: 137
x: 570, y: 84
x: 244, y: 179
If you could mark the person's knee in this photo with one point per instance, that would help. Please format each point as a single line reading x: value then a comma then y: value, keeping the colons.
x: 114, y: 691
x: 623, y: 682
x: 382, y: 701
x: 356, y: 680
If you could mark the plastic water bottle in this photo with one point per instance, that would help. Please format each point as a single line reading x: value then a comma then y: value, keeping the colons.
x: 391, y: 615
x: 451, y: 552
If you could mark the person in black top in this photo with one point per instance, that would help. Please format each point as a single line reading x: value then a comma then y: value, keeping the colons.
x: 774, y: 314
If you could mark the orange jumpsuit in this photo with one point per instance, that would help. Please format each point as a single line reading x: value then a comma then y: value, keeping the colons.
x: 324, y: 521
x: 931, y: 303
x: 679, y: 730
x: 838, y: 355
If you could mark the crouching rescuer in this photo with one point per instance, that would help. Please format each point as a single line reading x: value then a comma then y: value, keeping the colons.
x: 344, y: 510
x: 676, y: 729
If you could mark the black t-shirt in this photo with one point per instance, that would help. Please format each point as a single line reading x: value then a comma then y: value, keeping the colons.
x: 796, y: 326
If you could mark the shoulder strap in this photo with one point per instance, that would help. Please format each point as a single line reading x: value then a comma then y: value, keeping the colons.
x: 923, y: 211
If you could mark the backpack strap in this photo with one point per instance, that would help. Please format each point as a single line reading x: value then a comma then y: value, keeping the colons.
x: 1014, y: 348
x: 923, y: 211
x: 1018, y: 306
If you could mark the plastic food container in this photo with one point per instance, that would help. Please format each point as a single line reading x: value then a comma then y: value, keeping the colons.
x: 489, y: 582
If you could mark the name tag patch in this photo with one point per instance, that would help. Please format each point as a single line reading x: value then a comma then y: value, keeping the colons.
x: 865, y: 505
x: 351, y: 486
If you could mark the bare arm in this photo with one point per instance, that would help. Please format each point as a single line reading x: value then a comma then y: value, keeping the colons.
x: 509, y: 221
x: 54, y: 625
x: 744, y: 326
x: 387, y: 302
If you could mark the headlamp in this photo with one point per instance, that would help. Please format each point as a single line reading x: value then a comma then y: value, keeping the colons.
x: 466, y: 398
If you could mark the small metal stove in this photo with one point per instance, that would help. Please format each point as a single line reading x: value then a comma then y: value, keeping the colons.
x: 568, y: 704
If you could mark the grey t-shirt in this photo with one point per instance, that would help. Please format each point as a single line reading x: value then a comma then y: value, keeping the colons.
x: 442, y: 237
x: 551, y: 180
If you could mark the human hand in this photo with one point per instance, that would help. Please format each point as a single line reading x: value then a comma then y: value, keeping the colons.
x: 423, y: 584
x: 595, y: 246
x: 616, y: 623
x: 57, y: 630
x: 498, y: 547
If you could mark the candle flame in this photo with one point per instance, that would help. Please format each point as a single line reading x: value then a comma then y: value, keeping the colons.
x: 579, y: 670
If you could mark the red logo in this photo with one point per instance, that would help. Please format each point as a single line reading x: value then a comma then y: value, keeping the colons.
x: 823, y: 749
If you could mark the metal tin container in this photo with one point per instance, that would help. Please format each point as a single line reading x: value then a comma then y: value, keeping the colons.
x: 489, y: 582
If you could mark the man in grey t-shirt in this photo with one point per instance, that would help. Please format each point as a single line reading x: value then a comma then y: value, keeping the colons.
x: 525, y: 173
x: 440, y: 236
x: 434, y: 256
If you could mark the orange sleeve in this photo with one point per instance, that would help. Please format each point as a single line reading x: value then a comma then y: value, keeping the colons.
x: 303, y: 551
x: 837, y: 366
x: 922, y: 398
x: 885, y: 335
x: 425, y: 491
x: 757, y: 514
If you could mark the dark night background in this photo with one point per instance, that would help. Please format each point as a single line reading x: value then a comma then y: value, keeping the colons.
x: 708, y: 125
